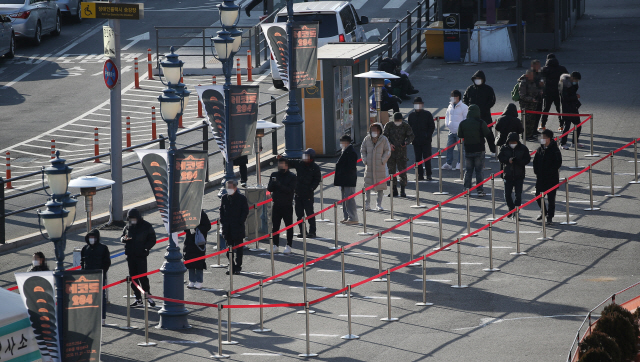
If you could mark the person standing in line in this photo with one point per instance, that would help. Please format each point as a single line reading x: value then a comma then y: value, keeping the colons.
x: 308, y: 177
x: 375, y: 152
x: 546, y: 165
x: 530, y: 93
x: 282, y: 185
x: 480, y: 94
x: 234, y: 210
x: 346, y: 177
x: 508, y: 123
x: 38, y: 262
x: 539, y: 79
x: 192, y: 250
x: 513, y: 156
x: 399, y: 134
x: 456, y: 113
x: 570, y: 105
x: 422, y: 124
x: 96, y: 256
x: 474, y: 131
x: 138, y: 237
x: 551, y: 73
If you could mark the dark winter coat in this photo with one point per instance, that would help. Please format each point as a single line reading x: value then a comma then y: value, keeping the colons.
x: 520, y: 154
x: 96, y: 256
x: 475, y: 131
x: 422, y: 124
x: 507, y: 123
x: 551, y: 73
x: 388, y: 99
x: 546, y: 166
x: 308, y: 177
x: 346, y: 168
x: 282, y: 186
x: 38, y: 268
x: 481, y: 95
x: 234, y: 210
x: 190, y: 249
x: 142, y: 235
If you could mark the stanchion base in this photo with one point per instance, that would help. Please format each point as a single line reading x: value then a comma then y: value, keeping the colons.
x: 150, y: 344
x: 421, y: 304
x: 460, y: 286
x: 112, y: 325
x: 263, y: 330
x: 257, y: 249
x: 445, y: 249
x: 304, y: 312
x: 592, y: 155
x: 471, y: 236
x: 273, y: 280
x: 614, y: 195
x: 334, y: 247
x: 458, y: 180
x: 391, y: 220
x: 308, y: 355
x: 568, y: 223
x: 126, y: 328
x: 380, y: 280
x: 441, y: 193
x: 323, y: 220
x: 229, y: 342
x: 575, y: 167
x: 341, y: 296
x: 389, y: 319
x: 592, y: 209
x: 218, y: 266
x: 363, y: 233
x: 520, y: 253
x: 350, y: 336
x: 634, y: 182
x: 219, y: 356
x: 491, y: 219
x: 415, y: 264
x: 491, y: 270
x: 418, y: 206
x: 237, y: 295
x: 544, y: 239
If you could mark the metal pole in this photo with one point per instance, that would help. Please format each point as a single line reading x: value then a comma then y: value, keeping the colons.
x: 115, y: 96
x: 440, y: 229
x: 349, y: 336
x: 219, y: 265
x: 391, y: 218
x: 364, y: 215
x: 460, y: 148
x: 524, y: 117
x: 493, y: 199
x: 469, y: 42
x: 219, y: 354
x: 469, y: 216
x: 459, y: 285
x: 438, y: 134
x: 411, y: 242
x: 479, y: 50
x: 308, y: 354
x: 591, y: 208
x: 591, y: 154
x: 304, y: 266
x: 322, y: 219
x: 380, y: 279
x: 335, y: 227
x: 424, y: 284
x: 229, y: 341
x: 440, y: 192
x: 568, y: 222
x: 575, y: 151
x: 293, y: 122
x: 146, y: 342
x: 262, y: 329
x: 343, y: 295
x: 417, y: 205
x: 273, y: 265
x: 544, y: 220
x: 388, y: 318
x: 635, y: 162
x: 128, y: 326
x: 491, y: 268
x: 613, y: 191
x: 517, y: 216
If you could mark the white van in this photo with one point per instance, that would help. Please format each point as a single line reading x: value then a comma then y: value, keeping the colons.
x: 339, y: 22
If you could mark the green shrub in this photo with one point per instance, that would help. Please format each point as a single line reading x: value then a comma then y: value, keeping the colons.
x: 618, y: 327
x: 600, y: 340
x: 625, y: 313
x: 595, y: 355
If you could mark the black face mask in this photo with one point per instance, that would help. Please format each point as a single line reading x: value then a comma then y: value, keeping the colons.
x: 282, y: 170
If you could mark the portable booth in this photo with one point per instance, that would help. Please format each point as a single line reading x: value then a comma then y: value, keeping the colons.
x: 339, y: 103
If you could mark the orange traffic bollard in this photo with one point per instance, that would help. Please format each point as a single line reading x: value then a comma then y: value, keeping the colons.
x: 96, y: 145
x: 128, y: 133
x: 153, y: 123
x: 249, y: 75
x: 149, y: 64
x: 213, y: 80
x: 53, y: 149
x: 199, y: 107
x: 238, y: 73
x: 9, y: 170
x: 137, y: 75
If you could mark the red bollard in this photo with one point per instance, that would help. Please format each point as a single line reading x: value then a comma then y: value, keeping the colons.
x: 53, y: 149
x: 9, y: 171
x: 249, y: 75
x: 137, y: 75
x: 180, y: 122
x: 128, y: 133
x: 213, y: 80
x: 149, y: 64
x: 182, y: 80
x: 153, y: 123
x: 238, y: 73
x: 199, y: 107
x: 96, y: 145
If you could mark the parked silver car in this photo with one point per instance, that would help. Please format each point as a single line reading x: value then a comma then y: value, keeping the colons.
x: 7, y: 37
x: 70, y: 9
x: 32, y: 18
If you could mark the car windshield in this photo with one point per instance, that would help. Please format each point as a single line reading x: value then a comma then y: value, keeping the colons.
x: 12, y: 2
x: 328, y: 22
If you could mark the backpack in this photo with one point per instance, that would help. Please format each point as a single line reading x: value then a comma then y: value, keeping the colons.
x: 515, y: 93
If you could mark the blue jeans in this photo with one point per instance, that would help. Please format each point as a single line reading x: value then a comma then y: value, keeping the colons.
x: 473, y: 161
x: 509, y: 186
x: 196, y: 275
x: 451, y: 139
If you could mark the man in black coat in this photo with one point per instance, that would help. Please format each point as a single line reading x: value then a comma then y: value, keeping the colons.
x: 308, y: 178
x: 95, y: 256
x: 282, y: 185
x: 191, y: 251
x: 138, y: 237
x: 508, y: 123
x: 551, y: 73
x: 422, y: 124
x: 480, y: 94
x: 513, y: 156
x: 546, y: 166
x: 345, y: 177
x: 234, y: 210
x: 570, y: 104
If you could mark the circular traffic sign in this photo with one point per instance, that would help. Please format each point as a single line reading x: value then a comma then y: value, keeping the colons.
x: 110, y: 73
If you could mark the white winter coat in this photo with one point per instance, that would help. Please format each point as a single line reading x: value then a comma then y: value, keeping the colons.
x: 375, y: 158
x: 455, y: 115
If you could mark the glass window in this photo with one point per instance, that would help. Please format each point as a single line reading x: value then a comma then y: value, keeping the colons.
x: 328, y: 22
x: 348, y: 21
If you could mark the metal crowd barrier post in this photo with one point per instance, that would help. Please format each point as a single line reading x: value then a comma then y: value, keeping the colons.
x: 440, y: 192
x: 591, y: 208
x: 568, y: 222
x: 388, y: 318
x: 304, y: 267
x: 364, y: 215
x: 273, y: 265
x: 219, y: 355
x: 544, y: 219
x: 469, y: 216
x: 262, y: 329
x: 308, y: 354
x: 491, y: 268
x: 493, y: 199
x: 575, y: 152
x: 517, y: 217
x: 591, y: 154
x: 411, y: 242
x: 219, y: 265
x: 440, y: 239
x: 460, y: 151
x: 321, y: 218
x: 635, y: 162
x: 459, y: 285
x: 380, y: 279
x: 350, y: 335
x: 128, y: 326
x: 335, y: 227
x: 438, y: 134
x: 343, y: 295
x: 146, y: 342
x: 229, y: 341
x: 417, y: 205
x: 613, y: 190
x: 391, y: 218
x: 424, y: 284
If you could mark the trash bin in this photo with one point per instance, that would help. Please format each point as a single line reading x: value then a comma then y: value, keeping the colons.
x: 434, y: 41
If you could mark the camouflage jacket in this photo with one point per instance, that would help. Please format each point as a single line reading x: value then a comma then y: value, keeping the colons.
x: 398, y: 135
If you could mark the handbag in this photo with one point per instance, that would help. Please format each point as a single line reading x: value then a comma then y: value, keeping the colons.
x: 200, y: 241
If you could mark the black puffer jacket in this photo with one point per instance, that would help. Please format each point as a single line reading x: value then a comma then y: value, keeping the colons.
x: 481, y: 95
x: 190, y: 249
x: 142, y: 235
x: 234, y: 210
x: 282, y: 186
x: 346, y: 168
x: 551, y: 73
x: 308, y: 177
x: 96, y: 256
x: 507, y: 123
x: 520, y: 154
x: 546, y: 166
x: 422, y: 125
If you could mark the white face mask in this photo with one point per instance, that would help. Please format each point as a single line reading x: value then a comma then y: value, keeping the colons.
x: 92, y: 241
x: 133, y: 221
x: 477, y: 81
x: 344, y: 146
x: 398, y: 123
x: 452, y: 99
x: 305, y: 157
x: 374, y: 134
x: 543, y: 141
x: 417, y: 106
x: 513, y: 145
x: 231, y: 191
x: 35, y: 262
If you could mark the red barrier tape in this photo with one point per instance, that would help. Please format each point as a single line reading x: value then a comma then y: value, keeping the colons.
x: 560, y: 114
x: 173, y: 300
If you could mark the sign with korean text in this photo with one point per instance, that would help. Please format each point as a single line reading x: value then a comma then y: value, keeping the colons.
x: 212, y: 98
x: 243, y: 120
x: 109, y: 41
x: 188, y: 188
x: 105, y: 10
x: 305, y: 46
x: 82, y: 311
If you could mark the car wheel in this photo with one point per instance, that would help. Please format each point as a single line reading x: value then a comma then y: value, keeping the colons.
x: 78, y: 17
x: 58, y: 28
x: 12, y: 47
x: 37, y: 37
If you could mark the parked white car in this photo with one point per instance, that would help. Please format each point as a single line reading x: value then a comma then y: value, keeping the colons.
x: 70, y: 9
x: 7, y: 37
x: 339, y: 22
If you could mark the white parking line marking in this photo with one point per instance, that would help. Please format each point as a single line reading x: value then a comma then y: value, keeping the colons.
x: 358, y: 4
x: 394, y: 4
x: 359, y: 316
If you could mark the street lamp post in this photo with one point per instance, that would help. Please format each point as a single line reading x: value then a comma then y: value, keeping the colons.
x: 293, y: 135
x: 173, y: 101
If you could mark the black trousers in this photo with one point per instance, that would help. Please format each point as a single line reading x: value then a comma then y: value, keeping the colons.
x: 238, y: 253
x: 550, y: 207
x: 537, y: 116
x: 282, y: 213
x: 568, y: 123
x: 394, y: 105
x: 549, y: 100
x: 138, y: 265
x: 421, y: 152
x: 304, y: 205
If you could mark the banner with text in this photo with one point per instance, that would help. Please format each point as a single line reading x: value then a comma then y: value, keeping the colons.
x: 82, y: 322
x: 188, y: 189
x: 305, y: 46
x: 212, y: 97
x: 243, y: 120
x: 276, y: 35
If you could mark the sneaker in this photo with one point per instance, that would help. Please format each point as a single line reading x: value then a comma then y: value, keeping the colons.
x: 446, y: 166
x: 190, y: 285
x: 429, y: 178
x: 343, y: 221
x: 237, y: 271
x: 580, y: 145
x: 565, y: 147
x: 542, y: 128
x: 481, y: 193
x: 420, y: 177
x: 299, y: 235
x: 197, y: 285
x: 539, y: 217
x: 276, y: 249
x: 243, y: 184
x: 136, y: 304
x: 560, y: 128
x: 379, y: 208
x: 457, y: 166
x: 351, y: 222
x: 549, y: 223
x: 287, y: 250
x: 510, y: 216
x: 367, y: 207
x: 151, y: 302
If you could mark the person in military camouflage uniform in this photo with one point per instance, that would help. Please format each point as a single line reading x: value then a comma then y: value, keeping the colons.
x: 400, y: 135
x: 530, y: 96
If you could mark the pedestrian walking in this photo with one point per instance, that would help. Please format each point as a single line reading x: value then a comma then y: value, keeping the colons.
x: 399, y: 134
x: 513, y: 157
x: 551, y: 73
x: 282, y: 185
x: 474, y: 131
x: 38, y: 262
x: 308, y: 177
x: 570, y: 105
x: 96, y: 256
x: 138, y: 237
x: 422, y: 125
x: 546, y: 165
x: 480, y: 94
x: 456, y: 113
x: 345, y: 177
x: 375, y: 152
x: 530, y: 95
x: 508, y: 123
x: 195, y: 246
x: 234, y: 210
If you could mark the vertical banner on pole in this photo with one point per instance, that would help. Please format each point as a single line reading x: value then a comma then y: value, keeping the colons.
x: 243, y: 120
x: 212, y: 98
x: 82, y: 305
x: 276, y: 36
x: 305, y: 44
x: 188, y: 187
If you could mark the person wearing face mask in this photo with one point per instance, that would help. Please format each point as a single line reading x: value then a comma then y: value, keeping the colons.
x: 308, y: 178
x: 530, y: 96
x: 456, y: 113
x: 474, y: 132
x: 570, y: 105
x: 546, y: 165
x: 480, y: 94
x: 96, y: 256
x: 138, y: 237
x: 345, y: 177
x: 551, y: 73
x: 191, y: 250
x: 422, y: 125
x: 399, y: 134
x: 388, y: 100
x: 513, y: 157
x: 234, y: 210
x: 38, y: 262
x: 282, y: 185
x: 507, y: 123
x: 375, y: 152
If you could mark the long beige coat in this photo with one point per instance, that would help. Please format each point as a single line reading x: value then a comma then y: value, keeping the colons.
x: 375, y: 161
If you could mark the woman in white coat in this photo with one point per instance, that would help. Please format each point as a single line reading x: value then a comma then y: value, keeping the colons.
x: 375, y: 152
